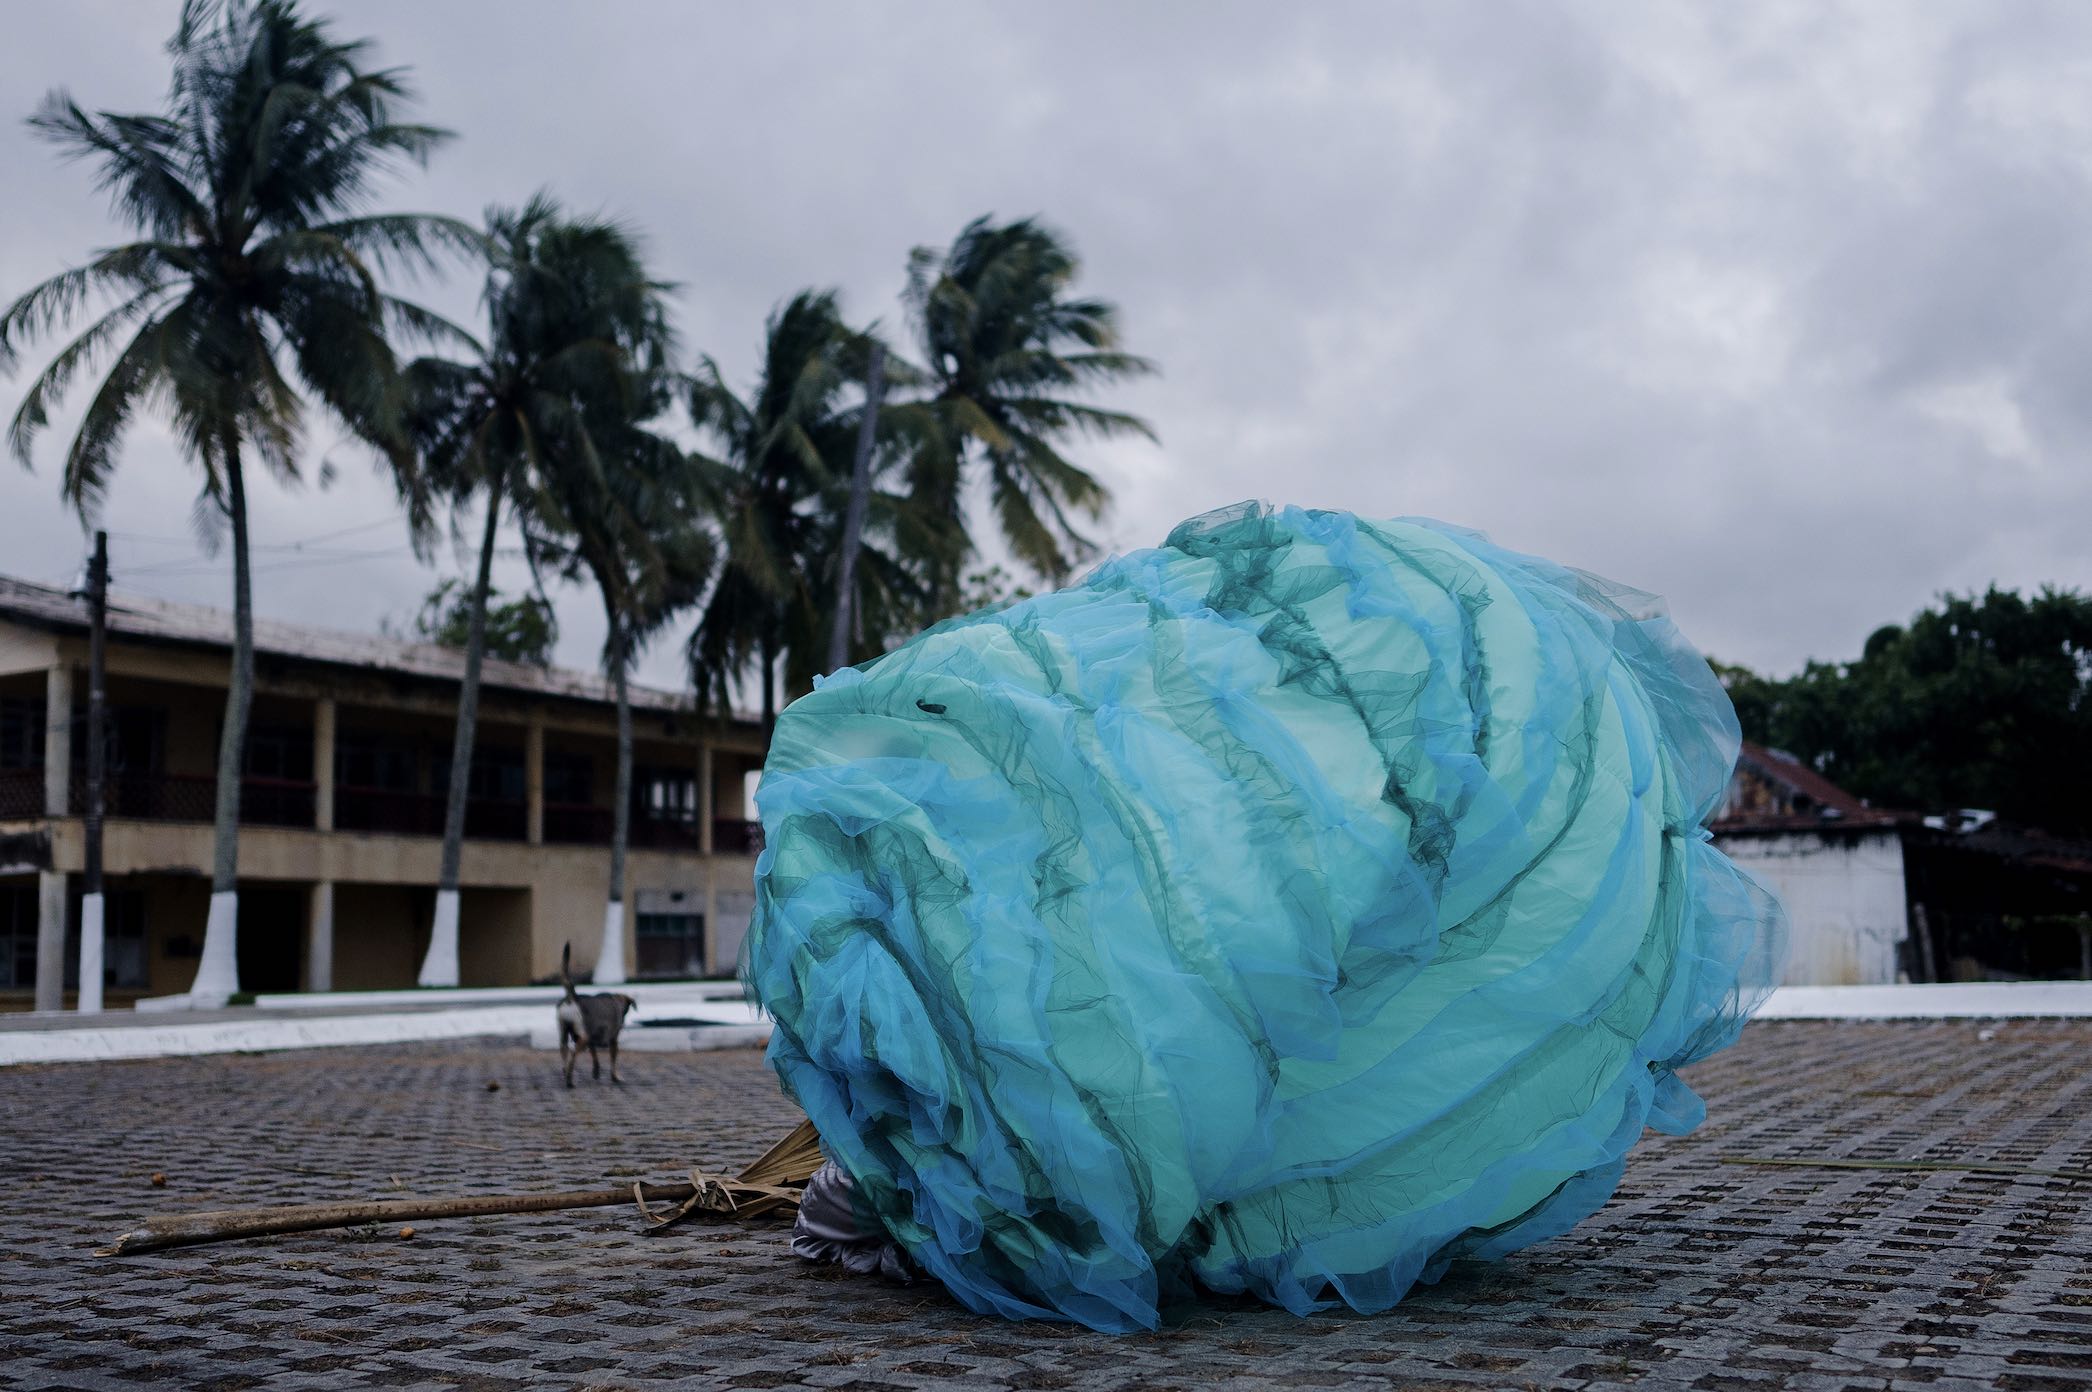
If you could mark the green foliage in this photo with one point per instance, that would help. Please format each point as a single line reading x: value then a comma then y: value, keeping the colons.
x: 254, y: 288
x: 985, y: 587
x: 1983, y: 701
x: 612, y: 500
x: 256, y: 275
x: 780, y: 485
x: 990, y: 587
x: 522, y: 630
x: 1010, y: 353
x: 572, y: 318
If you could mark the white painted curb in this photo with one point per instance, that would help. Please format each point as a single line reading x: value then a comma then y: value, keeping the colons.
x: 725, y: 1024
x: 1974, y: 1000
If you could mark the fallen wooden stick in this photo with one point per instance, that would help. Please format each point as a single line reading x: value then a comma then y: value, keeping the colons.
x: 768, y: 1183
x: 1920, y: 1166
x: 225, y: 1224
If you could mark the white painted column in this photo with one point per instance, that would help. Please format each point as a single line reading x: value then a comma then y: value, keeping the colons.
x: 319, y: 938
x: 610, y: 960
x: 712, y: 967
x: 323, y: 717
x: 50, y: 939
x: 534, y: 779
x: 58, y: 740
x: 218, y: 972
x: 704, y: 800
x: 91, y: 924
x: 440, y: 966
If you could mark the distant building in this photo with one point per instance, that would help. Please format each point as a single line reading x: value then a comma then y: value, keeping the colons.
x: 1877, y: 896
x: 1836, y: 863
x: 347, y: 767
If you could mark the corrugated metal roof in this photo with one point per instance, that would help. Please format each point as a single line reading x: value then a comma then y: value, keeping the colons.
x: 143, y: 619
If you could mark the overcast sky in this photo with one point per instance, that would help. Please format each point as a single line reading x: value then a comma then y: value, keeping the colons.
x: 1781, y: 311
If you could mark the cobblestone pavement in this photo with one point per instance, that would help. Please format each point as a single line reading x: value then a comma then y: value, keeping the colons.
x: 1701, y: 1273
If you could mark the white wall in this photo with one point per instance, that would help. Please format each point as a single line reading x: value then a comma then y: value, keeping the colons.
x: 1844, y: 898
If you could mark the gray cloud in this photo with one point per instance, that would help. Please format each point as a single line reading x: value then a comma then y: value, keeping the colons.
x: 1777, y: 310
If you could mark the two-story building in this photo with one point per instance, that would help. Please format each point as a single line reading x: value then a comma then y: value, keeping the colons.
x: 347, y: 767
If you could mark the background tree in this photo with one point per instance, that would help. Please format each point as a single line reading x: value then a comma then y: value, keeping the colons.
x: 1010, y: 351
x: 571, y: 317
x: 622, y: 508
x: 523, y: 630
x: 254, y: 277
x: 779, y: 481
x: 1983, y: 701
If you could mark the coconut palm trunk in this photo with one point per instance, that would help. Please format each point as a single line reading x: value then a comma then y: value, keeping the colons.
x: 440, y: 966
x: 610, y: 959
x: 769, y: 681
x: 218, y: 973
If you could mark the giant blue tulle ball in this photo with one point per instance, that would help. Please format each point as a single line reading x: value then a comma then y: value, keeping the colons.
x: 1290, y: 909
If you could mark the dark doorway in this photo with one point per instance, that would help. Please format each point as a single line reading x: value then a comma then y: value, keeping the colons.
x: 272, y: 936
x: 671, y: 943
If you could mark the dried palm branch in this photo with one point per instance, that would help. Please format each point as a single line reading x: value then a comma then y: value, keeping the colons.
x: 771, y: 1183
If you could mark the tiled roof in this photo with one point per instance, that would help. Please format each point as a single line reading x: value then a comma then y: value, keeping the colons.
x: 141, y: 619
x: 1828, y: 804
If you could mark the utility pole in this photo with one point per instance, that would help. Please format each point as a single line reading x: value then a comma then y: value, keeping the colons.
x: 91, y: 921
x: 853, y: 519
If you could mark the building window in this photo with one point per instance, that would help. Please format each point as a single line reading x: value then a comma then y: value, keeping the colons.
x: 670, y: 945
x: 497, y: 775
x: 123, y: 939
x: 21, y: 732
x: 370, y: 761
x: 664, y: 795
x: 123, y: 942
x: 18, y: 913
x: 280, y: 752
x: 569, y: 778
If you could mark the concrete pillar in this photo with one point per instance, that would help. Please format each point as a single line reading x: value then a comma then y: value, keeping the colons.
x: 319, y: 938
x: 58, y: 740
x: 323, y: 765
x: 50, y: 940
x: 704, y: 803
x: 712, y: 967
x: 534, y: 779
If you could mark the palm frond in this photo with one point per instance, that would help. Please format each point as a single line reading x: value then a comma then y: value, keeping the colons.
x: 91, y: 460
x: 33, y: 414
x: 141, y: 159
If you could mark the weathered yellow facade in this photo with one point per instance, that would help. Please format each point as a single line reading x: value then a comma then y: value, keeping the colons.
x: 347, y: 763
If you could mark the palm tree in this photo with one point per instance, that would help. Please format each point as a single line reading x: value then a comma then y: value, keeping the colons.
x: 568, y: 305
x: 254, y: 277
x: 631, y: 521
x: 780, y: 487
x: 1006, y: 344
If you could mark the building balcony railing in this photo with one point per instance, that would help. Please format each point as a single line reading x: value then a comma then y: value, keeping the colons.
x: 385, y: 810
x: 193, y: 797
x: 581, y: 824
x: 577, y: 824
x: 21, y: 793
x: 284, y: 802
x: 732, y: 836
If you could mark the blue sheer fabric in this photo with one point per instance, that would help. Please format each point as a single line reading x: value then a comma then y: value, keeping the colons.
x: 1291, y: 909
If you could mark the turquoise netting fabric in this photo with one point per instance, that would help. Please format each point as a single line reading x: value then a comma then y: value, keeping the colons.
x: 1290, y: 909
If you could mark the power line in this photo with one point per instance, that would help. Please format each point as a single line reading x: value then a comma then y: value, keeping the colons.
x: 190, y: 565
x: 392, y: 521
x: 161, y: 539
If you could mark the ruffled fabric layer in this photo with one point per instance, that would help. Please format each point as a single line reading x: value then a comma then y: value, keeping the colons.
x: 1289, y: 909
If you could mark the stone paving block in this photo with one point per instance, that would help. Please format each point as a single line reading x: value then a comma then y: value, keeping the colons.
x: 1700, y: 1274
